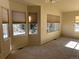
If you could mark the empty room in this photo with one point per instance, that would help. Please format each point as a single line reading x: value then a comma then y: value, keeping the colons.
x: 39, y: 29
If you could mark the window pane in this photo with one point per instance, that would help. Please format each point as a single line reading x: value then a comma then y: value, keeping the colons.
x: 18, y: 29
x: 76, y: 18
x: 51, y: 27
x: 5, y: 31
x: 57, y: 26
x: 33, y: 28
x: 77, y: 27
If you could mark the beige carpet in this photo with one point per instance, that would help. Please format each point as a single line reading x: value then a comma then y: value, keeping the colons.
x: 53, y: 50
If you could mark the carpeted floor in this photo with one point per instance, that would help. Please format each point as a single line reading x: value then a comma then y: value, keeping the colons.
x: 55, y: 49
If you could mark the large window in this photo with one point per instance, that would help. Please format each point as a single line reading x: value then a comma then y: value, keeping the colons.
x: 77, y: 24
x: 5, y: 31
x: 18, y: 29
x: 53, y: 23
x: 52, y: 27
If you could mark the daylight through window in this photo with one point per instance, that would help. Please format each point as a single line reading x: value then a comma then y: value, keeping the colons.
x: 5, y: 30
x: 77, y: 24
x: 51, y: 27
x: 18, y: 29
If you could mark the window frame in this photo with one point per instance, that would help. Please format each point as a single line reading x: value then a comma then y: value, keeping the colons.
x: 33, y: 21
x: 53, y: 19
x: 3, y: 22
x: 25, y: 23
x: 24, y: 29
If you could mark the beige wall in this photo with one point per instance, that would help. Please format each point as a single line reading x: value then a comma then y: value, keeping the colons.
x: 48, y: 9
x: 17, y: 6
x: 68, y: 24
x: 19, y: 41
x: 4, y: 3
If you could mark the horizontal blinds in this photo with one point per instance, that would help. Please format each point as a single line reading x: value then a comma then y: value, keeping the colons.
x: 33, y: 17
x: 5, y: 15
x: 53, y: 18
x: 19, y: 17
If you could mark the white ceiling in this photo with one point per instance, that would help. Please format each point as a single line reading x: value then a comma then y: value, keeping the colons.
x: 62, y: 5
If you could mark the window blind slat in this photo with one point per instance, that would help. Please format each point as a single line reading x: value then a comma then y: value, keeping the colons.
x: 33, y: 17
x: 5, y: 15
x: 19, y: 17
x: 53, y: 18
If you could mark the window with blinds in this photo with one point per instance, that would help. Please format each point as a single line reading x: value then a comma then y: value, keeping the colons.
x: 33, y: 23
x: 19, y: 23
x: 5, y: 20
x: 76, y: 23
x: 53, y: 23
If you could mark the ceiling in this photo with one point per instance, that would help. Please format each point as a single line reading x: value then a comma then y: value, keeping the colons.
x: 68, y: 5
x: 31, y: 2
x: 62, y: 5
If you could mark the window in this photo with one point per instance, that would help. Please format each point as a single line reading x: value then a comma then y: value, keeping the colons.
x: 77, y: 24
x: 19, y: 21
x: 52, y: 27
x: 18, y: 29
x: 5, y: 31
x: 5, y: 23
x: 33, y: 28
x: 33, y: 23
x: 76, y: 27
x: 53, y: 23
